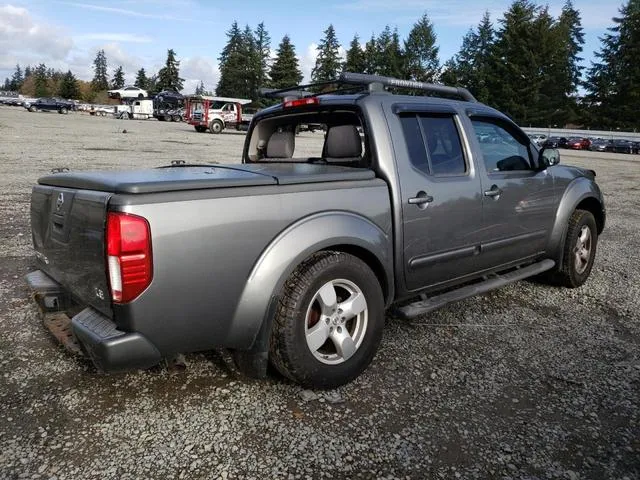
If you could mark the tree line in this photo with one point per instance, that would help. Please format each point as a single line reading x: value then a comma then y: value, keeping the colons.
x: 527, y: 64
x: 40, y: 81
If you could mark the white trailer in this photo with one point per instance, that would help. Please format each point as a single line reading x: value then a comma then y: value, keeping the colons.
x: 137, y: 110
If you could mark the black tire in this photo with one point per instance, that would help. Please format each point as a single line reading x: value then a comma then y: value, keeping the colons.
x: 63, y: 111
x: 200, y: 129
x: 216, y: 126
x: 32, y: 109
x: 140, y: 95
x: 289, y: 351
x: 568, y: 274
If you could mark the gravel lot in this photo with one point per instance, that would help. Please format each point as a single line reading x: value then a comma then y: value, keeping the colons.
x: 525, y: 382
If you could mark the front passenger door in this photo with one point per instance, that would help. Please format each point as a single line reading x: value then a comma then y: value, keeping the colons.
x: 518, y: 200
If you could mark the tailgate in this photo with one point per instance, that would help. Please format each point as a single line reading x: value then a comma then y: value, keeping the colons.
x: 68, y: 227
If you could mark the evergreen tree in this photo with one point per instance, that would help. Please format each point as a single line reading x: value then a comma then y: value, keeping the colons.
x: 169, y: 75
x: 141, y: 79
x: 40, y: 81
x: 371, y: 56
x: 16, y: 79
x: 285, y: 71
x: 421, y: 52
x: 390, y: 55
x: 613, y: 81
x: 328, y: 60
x: 118, y: 78
x: 7, y: 85
x: 28, y: 71
x: 354, y: 58
x: 263, y: 53
x: 69, y: 86
x: 250, y: 62
x: 470, y: 67
x: 233, y: 63
x: 514, y: 79
x: 100, y: 80
x: 200, y: 88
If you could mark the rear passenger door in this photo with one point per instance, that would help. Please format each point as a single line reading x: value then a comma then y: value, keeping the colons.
x: 441, y: 200
x: 518, y: 198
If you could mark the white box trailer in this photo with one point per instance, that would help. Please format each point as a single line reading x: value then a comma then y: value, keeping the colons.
x: 136, y: 110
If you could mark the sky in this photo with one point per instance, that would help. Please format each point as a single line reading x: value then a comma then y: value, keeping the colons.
x: 137, y: 33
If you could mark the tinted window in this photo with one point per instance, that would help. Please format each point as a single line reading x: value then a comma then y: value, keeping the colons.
x: 433, y: 144
x: 502, y: 151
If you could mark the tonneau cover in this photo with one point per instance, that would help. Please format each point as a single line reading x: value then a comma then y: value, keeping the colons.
x: 192, y: 177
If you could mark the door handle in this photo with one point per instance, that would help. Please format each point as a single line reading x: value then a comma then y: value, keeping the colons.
x: 421, y: 199
x: 494, y: 192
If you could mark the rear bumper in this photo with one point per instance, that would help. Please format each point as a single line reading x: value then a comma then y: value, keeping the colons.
x: 110, y: 349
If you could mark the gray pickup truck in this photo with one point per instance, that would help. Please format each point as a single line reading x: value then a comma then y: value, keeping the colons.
x: 292, y: 256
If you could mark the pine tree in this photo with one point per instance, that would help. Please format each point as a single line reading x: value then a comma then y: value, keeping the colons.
x: 28, y: 71
x: 371, y: 56
x: 354, y: 58
x: 250, y: 61
x: 40, y: 81
x: 285, y: 71
x: 141, y: 79
x: 263, y: 54
x: 100, y: 80
x: 16, y: 79
x: 118, y: 78
x: 390, y: 54
x: 421, y: 52
x: 613, y: 81
x: 514, y: 80
x: 200, y: 88
x: 233, y: 73
x: 69, y: 86
x: 328, y: 60
x: 169, y: 75
x: 469, y: 68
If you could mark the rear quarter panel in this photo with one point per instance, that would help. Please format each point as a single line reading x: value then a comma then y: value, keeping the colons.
x: 206, y: 244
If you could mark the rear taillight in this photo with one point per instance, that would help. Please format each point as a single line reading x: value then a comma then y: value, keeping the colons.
x: 129, y: 258
x: 301, y: 102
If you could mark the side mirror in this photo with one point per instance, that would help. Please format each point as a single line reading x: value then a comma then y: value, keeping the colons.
x: 548, y: 157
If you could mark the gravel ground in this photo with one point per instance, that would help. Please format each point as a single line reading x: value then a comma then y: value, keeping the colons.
x: 525, y: 382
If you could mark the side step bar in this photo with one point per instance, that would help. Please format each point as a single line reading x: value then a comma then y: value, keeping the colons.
x: 495, y: 281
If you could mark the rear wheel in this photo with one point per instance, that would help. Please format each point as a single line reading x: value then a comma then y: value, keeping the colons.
x: 63, y: 111
x: 216, y: 126
x: 32, y: 109
x: 175, y: 118
x: 329, y: 321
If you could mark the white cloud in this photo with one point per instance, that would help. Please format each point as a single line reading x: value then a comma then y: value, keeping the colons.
x: 196, y: 69
x: 22, y: 38
x: 115, y: 37
x: 131, y: 13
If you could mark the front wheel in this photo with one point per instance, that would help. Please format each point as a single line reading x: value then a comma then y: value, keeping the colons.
x: 63, y: 111
x: 329, y: 321
x: 579, y: 250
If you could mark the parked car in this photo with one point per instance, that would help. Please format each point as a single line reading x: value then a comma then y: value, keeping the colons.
x: 555, y: 142
x: 621, y: 146
x: 51, y: 104
x: 128, y: 93
x: 538, y: 138
x: 578, y: 143
x: 292, y: 256
x: 600, y: 145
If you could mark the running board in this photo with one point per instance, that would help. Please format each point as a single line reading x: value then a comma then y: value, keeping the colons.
x: 491, y: 283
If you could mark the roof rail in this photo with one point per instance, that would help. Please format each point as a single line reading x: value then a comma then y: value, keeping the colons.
x: 375, y: 82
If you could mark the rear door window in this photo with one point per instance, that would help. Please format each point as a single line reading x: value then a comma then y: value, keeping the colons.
x: 433, y: 144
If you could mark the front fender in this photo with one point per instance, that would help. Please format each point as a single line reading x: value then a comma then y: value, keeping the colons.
x: 294, y: 244
x: 578, y: 190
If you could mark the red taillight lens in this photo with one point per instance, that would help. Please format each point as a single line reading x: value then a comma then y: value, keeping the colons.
x: 129, y: 258
x: 301, y: 102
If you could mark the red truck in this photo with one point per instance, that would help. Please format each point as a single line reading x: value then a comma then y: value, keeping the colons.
x: 216, y: 113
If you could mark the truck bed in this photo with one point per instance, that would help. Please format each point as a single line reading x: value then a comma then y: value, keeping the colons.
x: 194, y: 177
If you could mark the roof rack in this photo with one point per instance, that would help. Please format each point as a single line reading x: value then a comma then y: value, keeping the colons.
x: 373, y: 83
